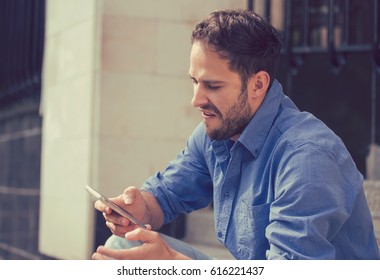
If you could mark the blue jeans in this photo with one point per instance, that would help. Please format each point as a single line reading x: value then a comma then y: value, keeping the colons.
x: 116, y: 242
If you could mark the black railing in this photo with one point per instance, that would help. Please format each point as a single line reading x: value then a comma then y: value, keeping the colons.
x: 21, y: 52
x: 21, y: 48
x: 337, y: 31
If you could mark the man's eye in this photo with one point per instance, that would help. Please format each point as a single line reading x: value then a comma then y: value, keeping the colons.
x: 211, y: 87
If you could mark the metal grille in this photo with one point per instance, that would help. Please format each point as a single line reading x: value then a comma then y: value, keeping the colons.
x: 21, y: 51
x: 21, y: 29
x: 330, y: 64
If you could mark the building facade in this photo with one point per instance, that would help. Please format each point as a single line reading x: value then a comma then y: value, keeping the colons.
x: 111, y: 105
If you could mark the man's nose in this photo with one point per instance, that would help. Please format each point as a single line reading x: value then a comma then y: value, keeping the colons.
x: 199, y: 97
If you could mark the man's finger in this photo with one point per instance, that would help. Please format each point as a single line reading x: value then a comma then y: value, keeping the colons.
x: 140, y: 234
x: 98, y: 256
x: 103, y: 253
x: 108, y: 253
x: 130, y: 194
x: 102, y: 207
x: 116, y: 219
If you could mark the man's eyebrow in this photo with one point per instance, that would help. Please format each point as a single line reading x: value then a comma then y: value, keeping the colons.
x: 206, y: 80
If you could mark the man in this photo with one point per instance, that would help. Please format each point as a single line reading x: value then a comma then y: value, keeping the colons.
x: 283, y: 184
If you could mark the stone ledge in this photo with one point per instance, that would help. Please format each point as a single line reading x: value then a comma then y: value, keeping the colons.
x: 373, y: 162
x: 372, y: 192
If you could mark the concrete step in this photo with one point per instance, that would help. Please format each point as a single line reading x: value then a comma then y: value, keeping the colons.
x: 200, y: 233
x: 219, y: 252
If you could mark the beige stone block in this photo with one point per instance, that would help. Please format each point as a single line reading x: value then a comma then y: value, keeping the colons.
x: 64, y: 229
x: 201, y: 227
x: 278, y: 14
x: 70, y: 53
x: 238, y: 4
x: 130, y: 8
x: 162, y: 152
x: 131, y: 108
x: 145, y: 106
x: 186, y: 116
x: 173, y: 48
x: 188, y: 11
x: 65, y: 166
x: 178, y: 10
x: 114, y: 104
x: 50, y: 61
x: 373, y: 162
x: 69, y: 110
x: 372, y: 192
x: 195, y: 10
x: 63, y: 14
x: 123, y: 162
x: 128, y: 45
x: 376, y: 225
x: 98, y: 44
x: 66, y: 209
x: 201, y: 234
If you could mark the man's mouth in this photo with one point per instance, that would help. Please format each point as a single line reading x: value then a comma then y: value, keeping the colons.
x: 207, y: 114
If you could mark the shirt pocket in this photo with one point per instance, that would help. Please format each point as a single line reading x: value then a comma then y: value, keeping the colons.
x: 254, y: 219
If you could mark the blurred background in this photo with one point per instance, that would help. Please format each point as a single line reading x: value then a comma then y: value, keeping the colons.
x: 97, y: 92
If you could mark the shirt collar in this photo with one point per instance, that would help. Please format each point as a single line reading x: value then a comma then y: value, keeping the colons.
x: 254, y: 135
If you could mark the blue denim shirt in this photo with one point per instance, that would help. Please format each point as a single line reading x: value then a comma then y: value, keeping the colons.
x: 286, y: 189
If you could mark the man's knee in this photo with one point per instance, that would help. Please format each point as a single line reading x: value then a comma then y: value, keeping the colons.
x: 116, y: 242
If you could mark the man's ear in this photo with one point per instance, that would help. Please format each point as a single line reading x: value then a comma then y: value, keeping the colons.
x: 259, y: 84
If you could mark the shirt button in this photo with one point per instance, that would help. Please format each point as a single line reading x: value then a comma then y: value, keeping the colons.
x: 227, y: 195
x: 220, y: 234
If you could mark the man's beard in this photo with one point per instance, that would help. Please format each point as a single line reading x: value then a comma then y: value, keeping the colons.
x: 235, y: 120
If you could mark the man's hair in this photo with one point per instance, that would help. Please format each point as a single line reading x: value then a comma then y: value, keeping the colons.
x: 245, y: 39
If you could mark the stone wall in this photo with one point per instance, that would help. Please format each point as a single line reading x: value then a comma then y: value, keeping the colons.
x: 116, y: 104
x: 373, y: 163
x: 372, y: 191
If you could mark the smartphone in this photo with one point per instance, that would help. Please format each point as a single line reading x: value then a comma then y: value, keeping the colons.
x: 114, y: 207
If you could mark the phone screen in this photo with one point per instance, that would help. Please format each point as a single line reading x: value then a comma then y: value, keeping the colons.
x: 114, y: 207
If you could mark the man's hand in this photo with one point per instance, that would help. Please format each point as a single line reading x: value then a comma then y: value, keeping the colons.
x: 154, y: 248
x: 132, y: 201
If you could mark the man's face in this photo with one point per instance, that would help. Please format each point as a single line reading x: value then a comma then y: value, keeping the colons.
x: 218, y: 94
